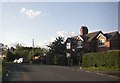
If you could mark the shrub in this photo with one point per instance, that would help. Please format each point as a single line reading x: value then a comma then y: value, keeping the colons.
x: 102, y: 59
x: 4, y: 71
x: 56, y: 59
x: 62, y: 60
x: 49, y: 59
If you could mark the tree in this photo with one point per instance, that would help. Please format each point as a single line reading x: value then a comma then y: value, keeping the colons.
x: 21, y: 52
x: 30, y: 56
x: 57, y: 47
x: 38, y: 51
x: 9, y: 56
x: 56, y: 51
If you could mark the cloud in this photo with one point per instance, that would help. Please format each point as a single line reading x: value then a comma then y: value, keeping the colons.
x: 61, y: 33
x: 44, y: 43
x: 30, y: 13
x: 65, y: 34
x: 71, y: 34
x: 58, y: 33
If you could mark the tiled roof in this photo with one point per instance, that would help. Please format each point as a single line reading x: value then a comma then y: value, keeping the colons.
x: 75, y: 37
x: 88, y: 37
x: 110, y: 34
x: 92, y: 35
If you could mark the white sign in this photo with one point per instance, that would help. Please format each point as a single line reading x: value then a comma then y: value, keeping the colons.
x: 68, y: 55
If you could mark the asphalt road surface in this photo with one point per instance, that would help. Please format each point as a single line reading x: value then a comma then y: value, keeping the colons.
x: 37, y: 72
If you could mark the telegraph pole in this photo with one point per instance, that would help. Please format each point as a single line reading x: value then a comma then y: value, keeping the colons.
x: 33, y: 47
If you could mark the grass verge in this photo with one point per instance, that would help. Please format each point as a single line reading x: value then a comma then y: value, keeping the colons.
x: 105, y: 70
x: 101, y: 69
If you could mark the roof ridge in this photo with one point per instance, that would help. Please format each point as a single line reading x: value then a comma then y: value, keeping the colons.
x: 94, y: 32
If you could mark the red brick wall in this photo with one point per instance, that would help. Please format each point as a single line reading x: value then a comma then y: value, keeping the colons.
x: 107, y: 44
x: 114, y: 42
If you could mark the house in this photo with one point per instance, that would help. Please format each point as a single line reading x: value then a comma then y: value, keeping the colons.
x: 96, y: 41
x: 113, y: 40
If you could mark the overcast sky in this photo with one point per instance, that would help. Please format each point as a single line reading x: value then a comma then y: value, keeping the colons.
x: 44, y: 21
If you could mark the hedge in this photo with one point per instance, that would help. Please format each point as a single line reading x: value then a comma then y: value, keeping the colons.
x: 61, y: 60
x: 4, y: 70
x: 102, y: 59
x: 50, y: 59
x: 56, y: 60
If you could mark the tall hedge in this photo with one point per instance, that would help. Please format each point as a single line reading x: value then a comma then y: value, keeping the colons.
x: 49, y: 59
x: 4, y: 71
x: 102, y: 59
x: 56, y: 60
x: 62, y: 60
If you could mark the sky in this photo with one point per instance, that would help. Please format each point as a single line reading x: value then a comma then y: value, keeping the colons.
x: 44, y: 21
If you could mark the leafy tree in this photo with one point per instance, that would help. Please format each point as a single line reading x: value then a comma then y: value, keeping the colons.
x: 57, y: 47
x: 56, y: 51
x: 30, y: 56
x: 9, y: 56
x: 19, y: 51
x: 23, y: 52
x: 38, y: 51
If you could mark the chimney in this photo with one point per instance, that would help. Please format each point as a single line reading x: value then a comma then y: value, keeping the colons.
x: 83, y: 30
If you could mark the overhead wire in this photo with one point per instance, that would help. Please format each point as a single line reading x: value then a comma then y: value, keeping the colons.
x: 19, y: 19
x: 31, y: 35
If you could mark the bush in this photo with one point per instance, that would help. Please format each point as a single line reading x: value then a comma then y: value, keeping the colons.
x: 102, y: 59
x: 4, y: 71
x: 62, y: 60
x: 49, y: 59
x: 56, y: 60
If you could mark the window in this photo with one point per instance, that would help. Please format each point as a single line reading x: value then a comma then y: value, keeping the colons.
x: 79, y: 44
x: 68, y: 46
x: 101, y: 42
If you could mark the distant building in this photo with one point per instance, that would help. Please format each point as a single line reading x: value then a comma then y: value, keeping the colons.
x: 91, y: 42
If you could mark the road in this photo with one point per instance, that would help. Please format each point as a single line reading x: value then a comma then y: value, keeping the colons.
x: 37, y: 72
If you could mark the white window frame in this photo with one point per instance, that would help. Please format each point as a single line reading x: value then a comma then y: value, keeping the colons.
x: 68, y: 45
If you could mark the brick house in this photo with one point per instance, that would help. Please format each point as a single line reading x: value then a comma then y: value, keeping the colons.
x: 97, y: 41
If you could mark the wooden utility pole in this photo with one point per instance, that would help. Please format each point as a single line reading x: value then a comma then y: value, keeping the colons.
x: 33, y: 47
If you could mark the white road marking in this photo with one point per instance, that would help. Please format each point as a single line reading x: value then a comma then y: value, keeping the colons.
x: 72, y: 69
x: 100, y: 74
x: 87, y: 71
x: 6, y: 74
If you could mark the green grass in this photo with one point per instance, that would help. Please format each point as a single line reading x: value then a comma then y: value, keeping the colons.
x: 101, y: 69
x: 2, y: 68
x: 112, y: 71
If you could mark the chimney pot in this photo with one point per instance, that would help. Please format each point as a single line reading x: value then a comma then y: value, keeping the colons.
x: 83, y: 30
